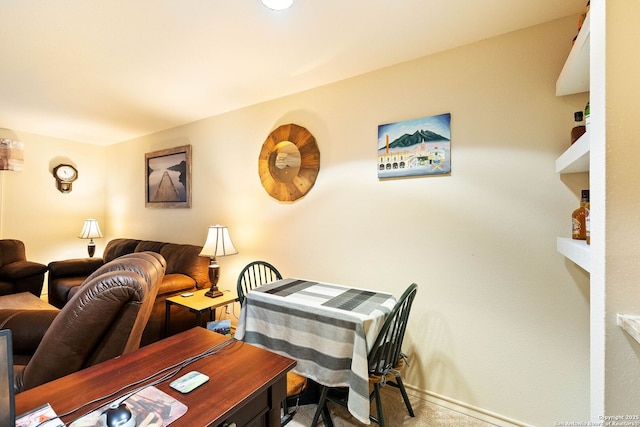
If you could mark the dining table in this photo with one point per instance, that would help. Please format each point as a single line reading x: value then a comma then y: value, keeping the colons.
x: 327, y: 328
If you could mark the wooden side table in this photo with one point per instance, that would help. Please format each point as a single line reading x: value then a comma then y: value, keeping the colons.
x: 198, y: 303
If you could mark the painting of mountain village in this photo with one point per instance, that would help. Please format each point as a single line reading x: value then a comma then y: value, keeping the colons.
x: 415, y: 147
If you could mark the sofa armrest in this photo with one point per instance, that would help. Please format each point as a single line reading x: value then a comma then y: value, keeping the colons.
x: 27, y: 327
x: 21, y: 269
x: 185, y: 259
x: 74, y: 267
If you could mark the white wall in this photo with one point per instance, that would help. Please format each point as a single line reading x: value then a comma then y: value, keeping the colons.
x: 501, y: 321
x: 622, y: 268
x: 34, y: 211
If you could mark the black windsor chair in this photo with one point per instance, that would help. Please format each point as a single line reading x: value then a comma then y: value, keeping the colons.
x: 255, y: 274
x: 386, y: 360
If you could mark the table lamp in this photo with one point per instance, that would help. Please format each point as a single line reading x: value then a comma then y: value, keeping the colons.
x: 218, y: 244
x: 90, y: 230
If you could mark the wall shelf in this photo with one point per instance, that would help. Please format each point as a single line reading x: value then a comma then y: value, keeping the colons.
x: 574, y: 77
x: 576, y: 158
x: 576, y: 250
x: 630, y: 324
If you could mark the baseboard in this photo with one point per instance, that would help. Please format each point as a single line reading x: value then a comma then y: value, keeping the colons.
x: 465, y: 408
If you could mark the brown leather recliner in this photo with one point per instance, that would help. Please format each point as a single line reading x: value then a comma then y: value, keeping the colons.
x: 16, y: 273
x: 104, y: 319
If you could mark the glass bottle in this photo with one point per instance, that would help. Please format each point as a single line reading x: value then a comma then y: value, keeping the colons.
x: 587, y: 116
x: 579, y: 226
x: 579, y: 129
x: 587, y: 223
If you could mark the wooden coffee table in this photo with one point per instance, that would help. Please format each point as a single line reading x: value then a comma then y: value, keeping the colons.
x: 24, y: 301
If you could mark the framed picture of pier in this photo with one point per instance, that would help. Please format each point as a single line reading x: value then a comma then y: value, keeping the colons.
x: 416, y: 147
x: 168, y: 178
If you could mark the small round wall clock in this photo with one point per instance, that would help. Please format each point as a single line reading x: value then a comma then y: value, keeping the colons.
x: 65, y: 175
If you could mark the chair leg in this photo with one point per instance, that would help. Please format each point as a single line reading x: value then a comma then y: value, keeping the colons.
x: 405, y: 397
x: 286, y: 416
x: 326, y: 416
x: 322, y: 409
x: 380, y: 413
x: 285, y: 419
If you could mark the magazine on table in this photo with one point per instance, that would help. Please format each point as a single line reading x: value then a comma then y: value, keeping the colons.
x: 220, y: 326
x: 44, y: 416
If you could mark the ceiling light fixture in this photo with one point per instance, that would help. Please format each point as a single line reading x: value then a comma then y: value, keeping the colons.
x: 278, y: 4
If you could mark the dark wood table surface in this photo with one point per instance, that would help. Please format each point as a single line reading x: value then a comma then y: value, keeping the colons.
x: 246, y: 383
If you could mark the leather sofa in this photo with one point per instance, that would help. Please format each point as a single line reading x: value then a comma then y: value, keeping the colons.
x: 185, y: 271
x: 104, y: 319
x: 16, y: 273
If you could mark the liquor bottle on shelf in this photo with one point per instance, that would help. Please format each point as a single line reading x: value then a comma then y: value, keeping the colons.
x: 579, y: 226
x: 587, y: 116
x: 579, y: 129
x: 587, y: 223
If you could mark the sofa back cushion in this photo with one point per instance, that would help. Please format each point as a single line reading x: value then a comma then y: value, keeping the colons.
x: 149, y: 246
x: 180, y: 258
x: 118, y: 247
x: 11, y: 251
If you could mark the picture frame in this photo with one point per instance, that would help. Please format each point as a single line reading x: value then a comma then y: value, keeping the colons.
x: 168, y: 178
x: 412, y: 148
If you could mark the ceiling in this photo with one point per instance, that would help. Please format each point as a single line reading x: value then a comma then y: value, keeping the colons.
x: 106, y: 71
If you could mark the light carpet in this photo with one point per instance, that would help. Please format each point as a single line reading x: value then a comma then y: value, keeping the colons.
x: 395, y: 412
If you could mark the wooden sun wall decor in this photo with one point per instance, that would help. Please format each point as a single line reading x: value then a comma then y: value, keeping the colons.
x: 289, y: 162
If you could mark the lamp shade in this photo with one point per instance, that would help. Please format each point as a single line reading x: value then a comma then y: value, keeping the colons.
x: 90, y: 230
x: 218, y: 242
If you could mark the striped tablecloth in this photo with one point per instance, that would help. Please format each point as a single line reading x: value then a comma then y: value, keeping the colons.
x: 326, y: 328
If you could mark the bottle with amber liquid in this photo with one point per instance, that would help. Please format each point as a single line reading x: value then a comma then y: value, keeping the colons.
x: 578, y: 218
x: 587, y: 116
x: 587, y: 222
x: 579, y: 129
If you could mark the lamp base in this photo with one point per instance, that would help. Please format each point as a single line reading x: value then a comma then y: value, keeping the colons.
x: 214, y: 275
x: 91, y: 248
x: 213, y: 293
